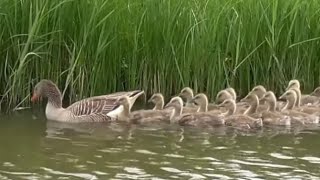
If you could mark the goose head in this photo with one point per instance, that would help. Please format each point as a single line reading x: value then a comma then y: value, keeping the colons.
x: 158, y: 100
x: 223, y: 95
x: 294, y: 83
x: 46, y: 89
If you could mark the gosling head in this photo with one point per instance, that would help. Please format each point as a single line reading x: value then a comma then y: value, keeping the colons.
x: 175, y: 102
x: 232, y: 92
x: 293, y: 84
x: 123, y: 100
x: 186, y: 92
x: 200, y: 99
x: 250, y: 98
x: 259, y: 91
x: 269, y: 97
x: 316, y: 92
x: 228, y: 103
x: 223, y: 95
x: 289, y: 95
x: 155, y: 98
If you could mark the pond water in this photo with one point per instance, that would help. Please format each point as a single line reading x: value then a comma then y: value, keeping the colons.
x: 32, y: 148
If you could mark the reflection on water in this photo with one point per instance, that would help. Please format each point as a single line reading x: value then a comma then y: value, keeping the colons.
x: 32, y: 148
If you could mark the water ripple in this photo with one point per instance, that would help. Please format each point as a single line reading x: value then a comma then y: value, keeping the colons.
x: 79, y: 175
x: 281, y: 156
x: 260, y: 164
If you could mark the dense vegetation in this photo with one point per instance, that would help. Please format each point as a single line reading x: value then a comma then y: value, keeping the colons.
x: 92, y: 47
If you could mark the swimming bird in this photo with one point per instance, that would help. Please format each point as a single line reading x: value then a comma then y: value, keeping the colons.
x: 158, y: 100
x: 139, y: 116
x: 290, y: 96
x: 239, y: 120
x: 305, y: 99
x: 192, y: 119
x: 269, y: 116
x: 92, y: 109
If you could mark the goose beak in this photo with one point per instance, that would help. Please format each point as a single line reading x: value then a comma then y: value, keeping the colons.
x: 34, y: 98
x: 150, y: 100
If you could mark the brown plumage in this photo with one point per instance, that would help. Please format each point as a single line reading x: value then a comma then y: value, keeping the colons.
x: 202, y: 101
x: 93, y: 109
x: 269, y: 115
x: 239, y: 120
x: 192, y: 119
x: 140, y: 116
x: 305, y: 99
x: 158, y: 100
x: 291, y: 96
x: 229, y: 93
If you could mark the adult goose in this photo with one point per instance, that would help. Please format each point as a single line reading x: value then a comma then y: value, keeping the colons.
x: 92, y: 109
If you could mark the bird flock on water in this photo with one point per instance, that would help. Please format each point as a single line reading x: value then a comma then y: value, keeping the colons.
x: 259, y: 108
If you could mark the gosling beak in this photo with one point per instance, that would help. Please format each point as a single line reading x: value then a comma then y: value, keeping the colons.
x: 168, y: 105
x: 243, y: 100
x: 116, y: 103
x: 282, y: 97
x: 220, y: 105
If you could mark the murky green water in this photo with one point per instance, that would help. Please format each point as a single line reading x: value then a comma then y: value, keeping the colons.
x: 32, y: 148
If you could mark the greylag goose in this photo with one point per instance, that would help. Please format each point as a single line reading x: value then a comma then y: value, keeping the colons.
x: 158, y: 100
x: 305, y: 99
x: 269, y: 117
x: 192, y: 119
x: 316, y: 92
x: 291, y: 96
x: 139, y: 116
x: 225, y: 94
x: 239, y: 120
x: 189, y: 107
x: 187, y: 94
x: 232, y: 92
x: 306, y: 109
x: 201, y: 100
x: 93, y: 109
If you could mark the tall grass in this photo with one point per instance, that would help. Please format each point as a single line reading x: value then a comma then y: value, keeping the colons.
x: 92, y: 47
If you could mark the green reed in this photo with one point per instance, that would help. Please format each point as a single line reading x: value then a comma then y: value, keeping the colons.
x: 92, y: 47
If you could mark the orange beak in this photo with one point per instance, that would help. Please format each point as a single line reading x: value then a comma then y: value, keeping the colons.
x: 34, y: 98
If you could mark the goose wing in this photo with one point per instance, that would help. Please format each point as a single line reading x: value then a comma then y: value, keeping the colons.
x: 98, y: 104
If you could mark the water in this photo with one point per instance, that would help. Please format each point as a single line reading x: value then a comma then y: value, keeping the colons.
x: 32, y: 148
